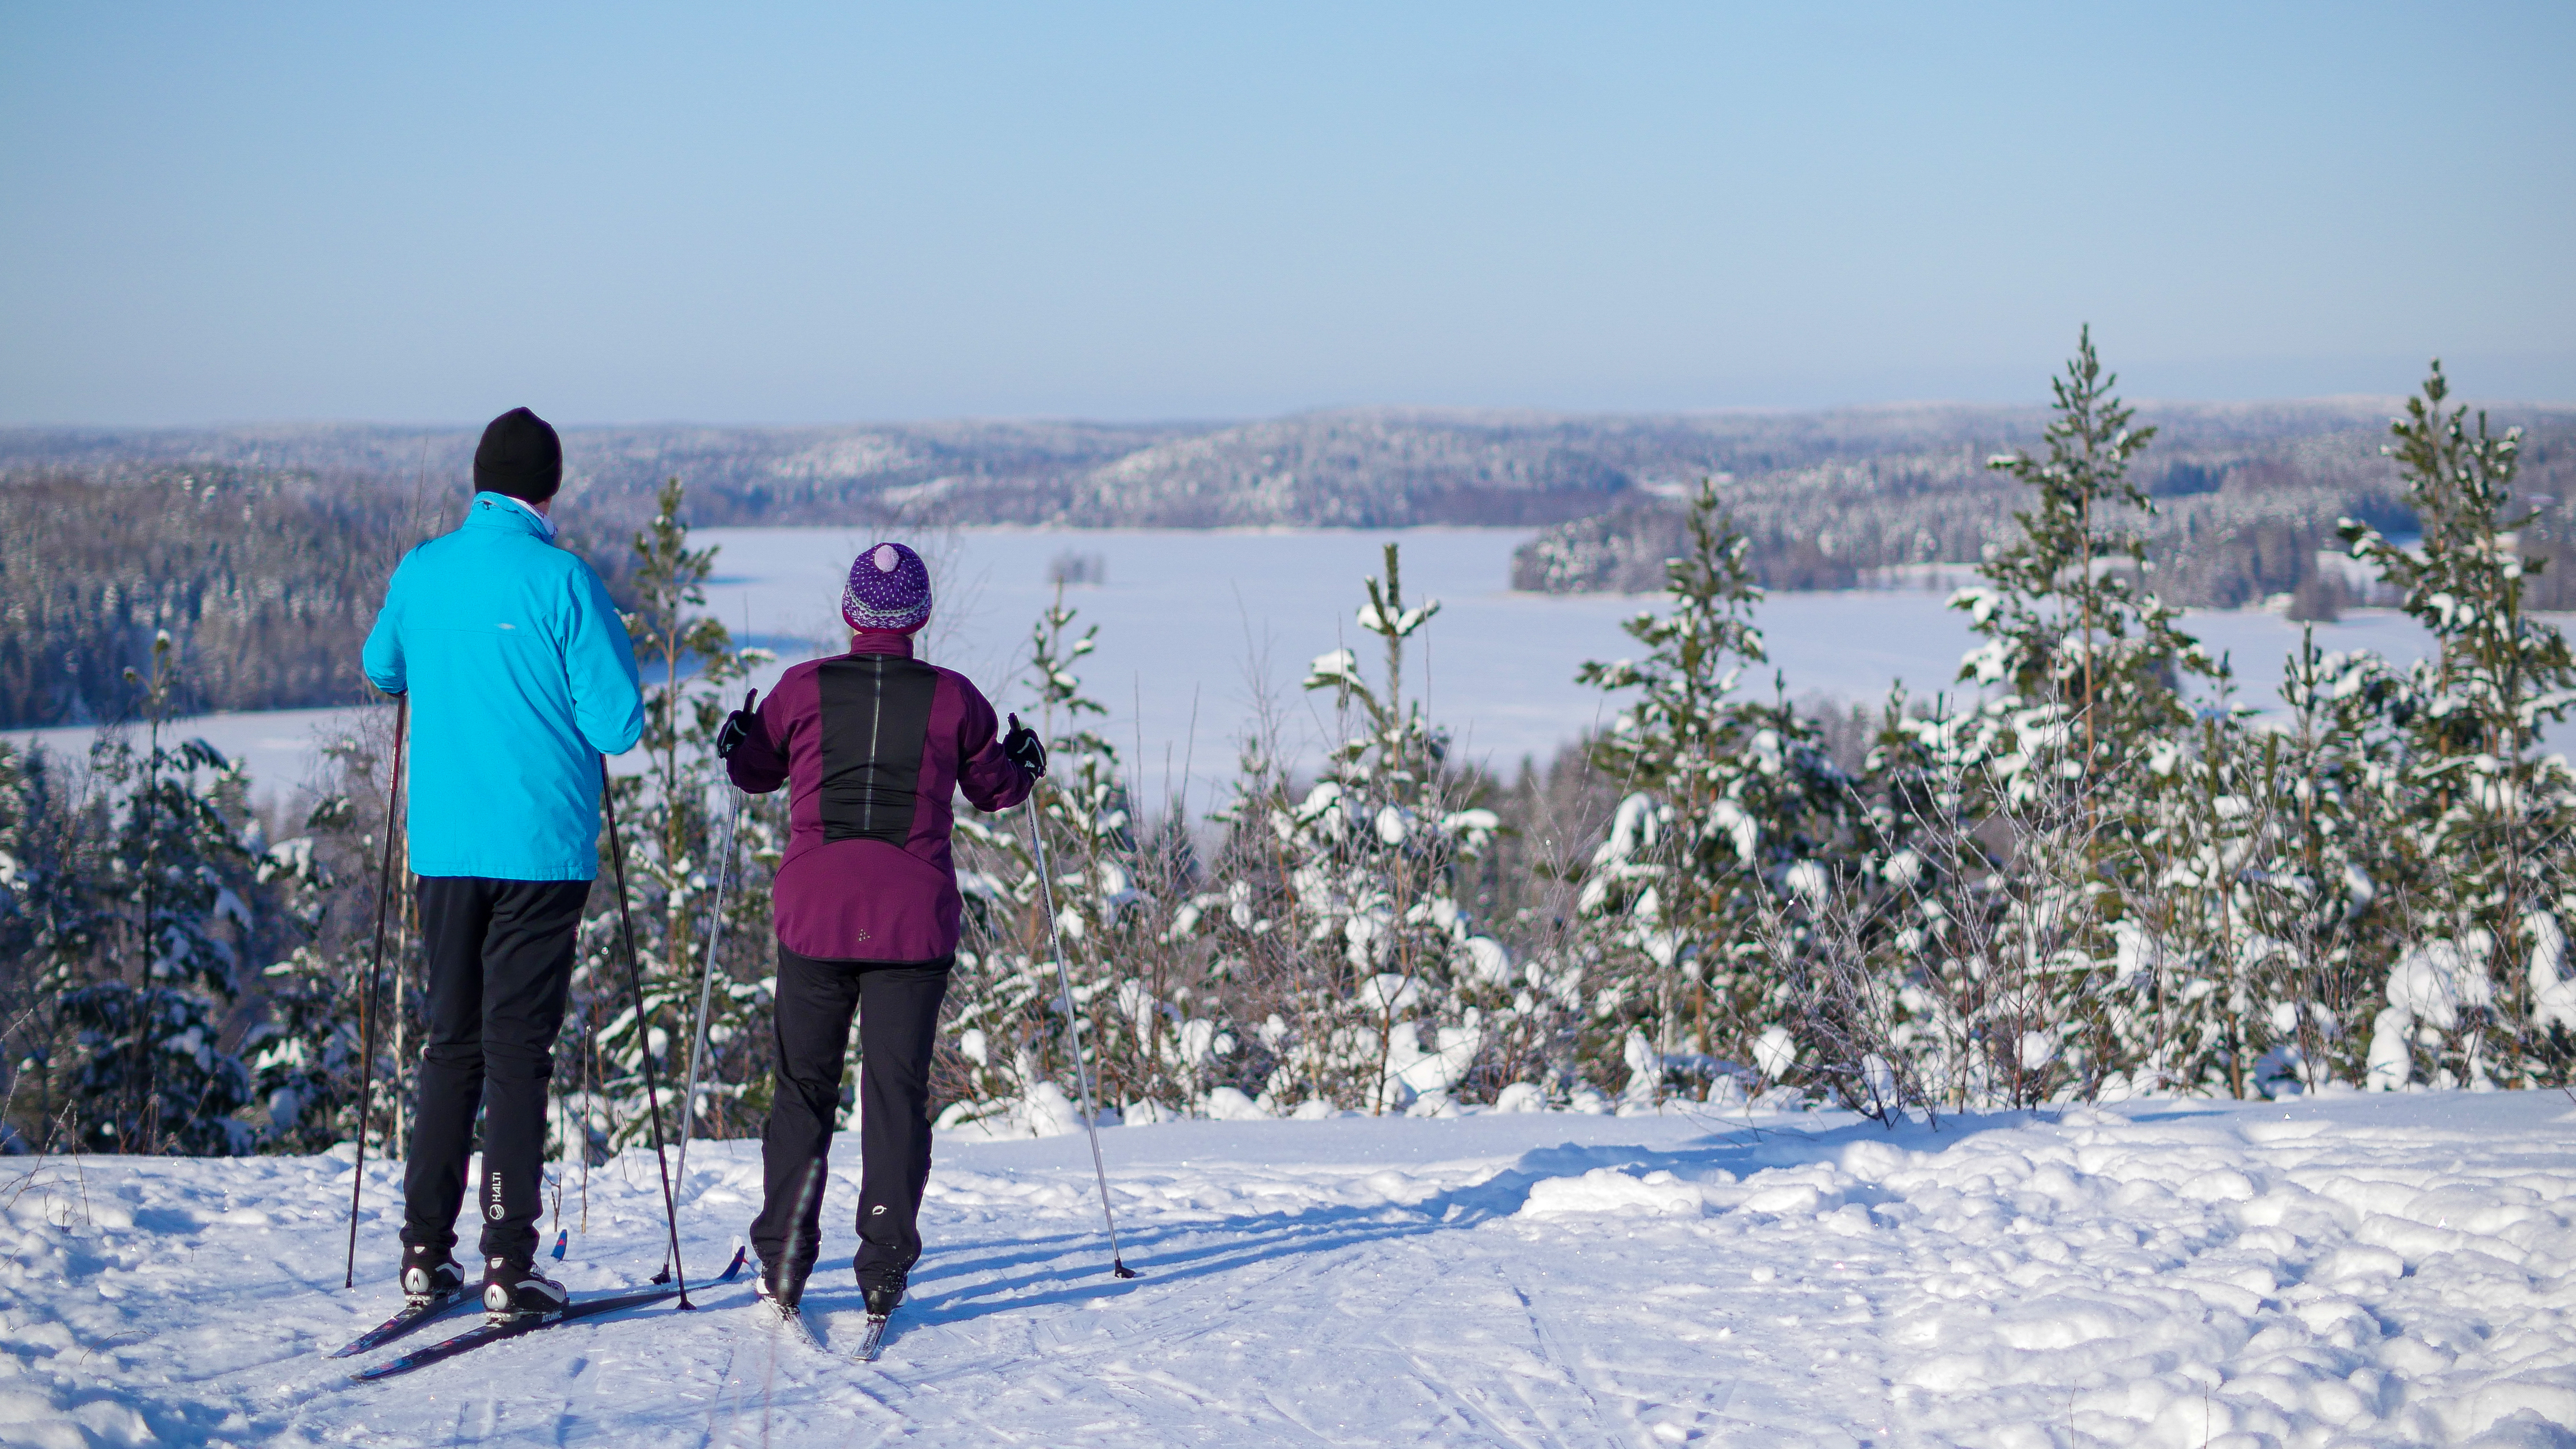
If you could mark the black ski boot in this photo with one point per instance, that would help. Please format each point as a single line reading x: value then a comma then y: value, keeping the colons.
x: 430, y: 1277
x: 782, y: 1287
x: 513, y: 1290
x: 882, y: 1295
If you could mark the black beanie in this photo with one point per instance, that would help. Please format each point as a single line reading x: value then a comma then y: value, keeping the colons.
x: 521, y: 456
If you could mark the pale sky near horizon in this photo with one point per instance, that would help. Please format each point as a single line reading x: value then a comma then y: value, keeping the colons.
x: 820, y: 213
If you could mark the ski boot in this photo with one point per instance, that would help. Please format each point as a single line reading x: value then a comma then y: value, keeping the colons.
x: 513, y: 1291
x: 882, y: 1297
x: 430, y: 1277
x: 782, y: 1288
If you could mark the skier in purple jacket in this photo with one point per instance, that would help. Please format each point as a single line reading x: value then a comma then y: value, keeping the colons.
x: 873, y: 744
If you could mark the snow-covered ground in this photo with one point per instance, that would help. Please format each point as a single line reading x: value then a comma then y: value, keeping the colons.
x: 1192, y: 623
x: 2344, y: 1270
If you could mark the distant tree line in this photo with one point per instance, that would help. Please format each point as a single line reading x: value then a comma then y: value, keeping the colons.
x: 262, y: 550
x: 264, y: 581
x: 2237, y: 522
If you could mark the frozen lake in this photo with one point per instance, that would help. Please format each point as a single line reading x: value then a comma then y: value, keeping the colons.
x: 1196, y: 627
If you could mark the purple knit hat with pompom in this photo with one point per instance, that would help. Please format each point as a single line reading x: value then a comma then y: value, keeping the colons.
x: 889, y: 589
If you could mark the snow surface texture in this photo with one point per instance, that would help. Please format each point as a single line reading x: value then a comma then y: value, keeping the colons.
x: 2345, y: 1270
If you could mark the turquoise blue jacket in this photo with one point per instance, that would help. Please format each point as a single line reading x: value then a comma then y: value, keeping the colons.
x: 520, y: 677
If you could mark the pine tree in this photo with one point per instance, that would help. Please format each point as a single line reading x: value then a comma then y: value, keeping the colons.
x: 1155, y: 1038
x: 57, y: 916
x: 2065, y: 622
x: 1340, y: 925
x: 306, y: 1051
x: 2220, y: 916
x: 146, y: 1061
x: 1394, y: 982
x: 1729, y: 798
x: 2034, y: 801
x: 2487, y: 819
x: 2345, y: 864
x: 671, y: 824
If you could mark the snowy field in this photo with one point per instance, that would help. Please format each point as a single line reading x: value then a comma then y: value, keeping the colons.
x: 2344, y: 1270
x: 1194, y: 625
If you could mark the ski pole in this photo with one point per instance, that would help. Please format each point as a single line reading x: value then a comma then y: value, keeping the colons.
x: 643, y: 1029
x: 707, y: 988
x: 1073, y: 1028
x: 375, y: 969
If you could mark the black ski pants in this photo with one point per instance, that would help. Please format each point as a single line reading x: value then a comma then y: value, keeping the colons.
x: 897, y: 1003
x: 499, y: 955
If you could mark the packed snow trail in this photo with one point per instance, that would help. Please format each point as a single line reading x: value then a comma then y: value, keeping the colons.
x: 2340, y: 1271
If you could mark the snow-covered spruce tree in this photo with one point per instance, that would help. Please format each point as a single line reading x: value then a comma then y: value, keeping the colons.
x: 1728, y: 797
x: 1157, y: 1040
x: 1389, y: 993
x: 305, y: 1051
x: 55, y: 918
x: 2480, y: 993
x: 2339, y: 876
x: 2053, y: 772
x: 671, y: 822
x: 2066, y: 623
x: 144, y: 1063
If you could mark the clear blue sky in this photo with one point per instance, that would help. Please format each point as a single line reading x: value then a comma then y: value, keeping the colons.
x: 786, y: 213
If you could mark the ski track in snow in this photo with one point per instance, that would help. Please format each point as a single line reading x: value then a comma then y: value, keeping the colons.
x: 2344, y: 1270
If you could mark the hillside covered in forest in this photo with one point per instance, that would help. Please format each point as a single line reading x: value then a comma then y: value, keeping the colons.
x: 262, y: 549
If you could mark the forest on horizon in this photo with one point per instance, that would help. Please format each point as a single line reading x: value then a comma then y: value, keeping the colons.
x: 263, y: 551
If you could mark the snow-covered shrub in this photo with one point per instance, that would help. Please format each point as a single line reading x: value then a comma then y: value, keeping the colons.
x: 135, y: 907
x: 1154, y: 1030
x: 674, y: 824
x: 1731, y: 800
x: 1340, y: 926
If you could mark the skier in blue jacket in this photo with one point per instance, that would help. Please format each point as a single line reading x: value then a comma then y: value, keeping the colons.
x: 520, y: 678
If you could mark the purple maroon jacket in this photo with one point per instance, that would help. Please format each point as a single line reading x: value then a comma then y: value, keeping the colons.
x: 847, y: 896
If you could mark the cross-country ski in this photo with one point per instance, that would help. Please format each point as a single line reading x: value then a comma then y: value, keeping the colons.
x: 872, y: 1338
x: 796, y: 1323
x: 405, y: 1319
x: 526, y: 1323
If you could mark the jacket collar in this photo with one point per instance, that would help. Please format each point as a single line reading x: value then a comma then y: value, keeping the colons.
x: 881, y: 641
x: 501, y: 511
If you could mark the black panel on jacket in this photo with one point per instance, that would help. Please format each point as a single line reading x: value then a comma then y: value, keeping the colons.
x: 876, y: 722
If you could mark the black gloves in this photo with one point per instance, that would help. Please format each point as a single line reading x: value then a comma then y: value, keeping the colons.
x: 737, y: 725
x: 1021, y: 748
